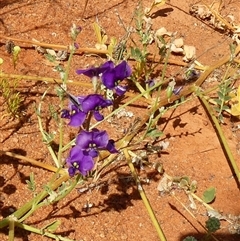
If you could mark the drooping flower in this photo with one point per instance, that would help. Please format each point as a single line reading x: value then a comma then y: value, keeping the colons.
x: 112, y: 77
x: 95, y: 103
x: 78, y: 161
x: 93, y: 141
x: 96, y: 71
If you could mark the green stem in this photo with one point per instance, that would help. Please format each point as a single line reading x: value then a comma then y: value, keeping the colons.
x: 41, y: 232
x: 26, y: 207
x: 37, y: 204
x: 44, y: 79
x: 221, y: 135
x: 144, y: 197
x: 11, y: 228
x: 45, y: 138
x: 61, y: 122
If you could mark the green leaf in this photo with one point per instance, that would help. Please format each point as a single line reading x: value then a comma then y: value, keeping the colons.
x: 52, y: 226
x: 216, y: 109
x: 154, y: 133
x: 220, y: 95
x: 31, y: 183
x: 218, y: 101
x: 225, y: 107
x: 213, y: 224
x: 209, y: 195
x: 136, y: 54
x: 226, y: 98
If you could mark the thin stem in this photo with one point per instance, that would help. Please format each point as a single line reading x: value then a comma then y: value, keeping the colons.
x: 144, y: 197
x: 32, y: 161
x: 44, y: 135
x: 11, y: 228
x: 41, y: 232
x: 26, y: 207
x: 221, y: 135
x: 61, y: 122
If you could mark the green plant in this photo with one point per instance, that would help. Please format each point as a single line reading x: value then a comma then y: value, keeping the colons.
x: 225, y: 89
x: 89, y: 153
x: 12, y: 97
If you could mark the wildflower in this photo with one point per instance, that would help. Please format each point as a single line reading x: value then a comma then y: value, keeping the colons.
x: 79, y: 161
x: 75, y: 113
x: 81, y: 106
x: 96, y: 71
x: 112, y: 77
x: 95, y: 103
x: 92, y: 141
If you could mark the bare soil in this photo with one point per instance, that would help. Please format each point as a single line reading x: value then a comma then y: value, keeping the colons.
x: 118, y: 212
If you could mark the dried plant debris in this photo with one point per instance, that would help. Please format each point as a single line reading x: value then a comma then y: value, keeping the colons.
x: 211, y: 15
x: 9, y: 46
x: 60, y: 55
x: 168, y: 184
x: 168, y: 39
x: 233, y: 220
x: 208, y: 14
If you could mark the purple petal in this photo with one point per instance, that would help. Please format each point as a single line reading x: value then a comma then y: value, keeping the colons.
x: 94, y: 102
x: 77, y: 160
x: 109, y: 79
x: 93, y: 153
x: 83, y: 139
x: 90, y: 102
x: 123, y: 70
x: 86, y: 165
x: 100, y: 138
x: 96, y: 71
x: 71, y: 171
x: 98, y: 116
x: 107, y: 65
x: 77, y: 119
x: 120, y: 90
x: 150, y: 83
x: 110, y: 147
x: 65, y: 114
x: 75, y: 154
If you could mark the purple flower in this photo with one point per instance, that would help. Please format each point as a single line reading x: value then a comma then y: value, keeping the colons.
x: 112, y: 77
x: 75, y: 113
x: 92, y: 141
x: 79, y: 161
x: 96, y: 71
x: 95, y: 103
x: 177, y: 90
x: 81, y: 106
x: 150, y: 83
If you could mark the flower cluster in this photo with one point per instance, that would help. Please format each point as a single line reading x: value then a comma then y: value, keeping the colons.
x: 89, y: 143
